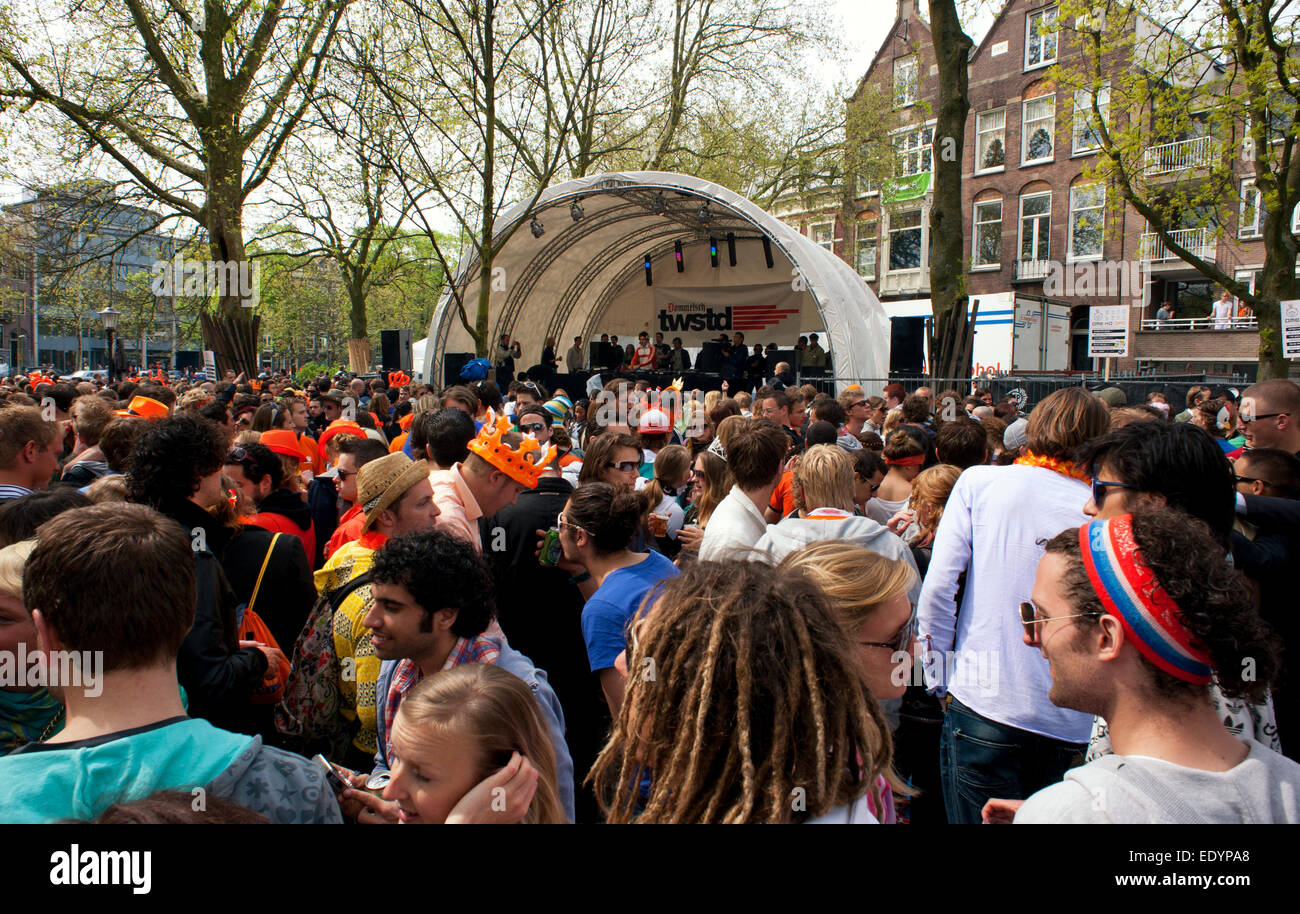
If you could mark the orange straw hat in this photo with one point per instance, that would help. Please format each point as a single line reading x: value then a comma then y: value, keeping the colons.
x: 382, y: 482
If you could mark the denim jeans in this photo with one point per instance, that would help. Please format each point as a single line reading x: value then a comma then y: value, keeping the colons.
x: 980, y: 759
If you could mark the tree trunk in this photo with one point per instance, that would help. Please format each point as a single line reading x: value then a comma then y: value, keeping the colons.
x: 950, y: 340
x: 489, y: 182
x: 232, y: 332
x: 359, y: 344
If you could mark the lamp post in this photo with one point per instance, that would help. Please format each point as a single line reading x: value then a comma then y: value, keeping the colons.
x: 108, y: 317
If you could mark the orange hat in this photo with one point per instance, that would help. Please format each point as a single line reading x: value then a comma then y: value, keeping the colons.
x: 339, y: 427
x: 398, y: 379
x: 514, y: 463
x: 146, y: 408
x: 398, y: 443
x: 282, y: 441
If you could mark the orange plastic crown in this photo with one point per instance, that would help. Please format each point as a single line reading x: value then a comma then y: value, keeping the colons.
x: 490, y: 445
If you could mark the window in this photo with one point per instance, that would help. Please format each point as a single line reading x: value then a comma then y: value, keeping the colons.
x: 990, y: 138
x: 1250, y: 217
x: 1037, y: 137
x: 1248, y: 277
x: 823, y: 235
x: 1295, y: 221
x: 1040, y: 38
x: 915, y: 150
x: 866, y: 254
x: 1087, y: 221
x: 1086, y: 135
x: 987, y: 241
x: 1035, y: 227
x: 905, y: 240
x: 905, y: 70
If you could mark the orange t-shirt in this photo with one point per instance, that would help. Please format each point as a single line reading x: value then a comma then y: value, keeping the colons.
x: 783, y: 495
x: 349, y: 529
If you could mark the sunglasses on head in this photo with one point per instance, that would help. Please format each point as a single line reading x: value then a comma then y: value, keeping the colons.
x: 239, y: 455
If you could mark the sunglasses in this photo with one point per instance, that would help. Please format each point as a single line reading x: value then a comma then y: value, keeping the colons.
x: 902, y: 640
x: 1029, y: 617
x: 1243, y: 419
x: 344, y: 474
x: 627, y: 466
x: 1099, y: 487
x: 239, y: 455
x: 532, y: 428
x: 1241, y: 479
x: 560, y: 521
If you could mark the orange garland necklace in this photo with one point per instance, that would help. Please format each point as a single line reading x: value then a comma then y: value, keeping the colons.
x: 1055, y: 464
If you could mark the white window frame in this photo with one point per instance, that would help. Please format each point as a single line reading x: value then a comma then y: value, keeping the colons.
x: 905, y: 92
x: 1026, y: 132
x: 829, y: 242
x: 921, y: 227
x: 1250, y: 275
x: 1020, y: 229
x: 1295, y: 221
x: 1082, y: 116
x: 874, y: 239
x: 981, y: 131
x: 1075, y: 209
x: 1255, y: 229
x: 1043, y: 61
x: 976, y: 223
x: 904, y: 148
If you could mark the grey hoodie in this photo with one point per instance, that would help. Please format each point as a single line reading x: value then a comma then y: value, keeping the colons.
x: 286, y: 788
x: 796, y: 532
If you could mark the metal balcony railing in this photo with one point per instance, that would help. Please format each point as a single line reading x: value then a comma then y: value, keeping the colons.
x: 1202, y: 323
x: 1198, y: 241
x: 1182, y: 155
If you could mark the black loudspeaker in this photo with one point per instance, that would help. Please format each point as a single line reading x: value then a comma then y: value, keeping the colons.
x: 782, y: 355
x: 452, y: 363
x: 395, y: 350
x: 595, y: 355
x: 907, y: 346
x: 710, y: 359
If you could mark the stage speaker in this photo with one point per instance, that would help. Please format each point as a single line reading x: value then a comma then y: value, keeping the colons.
x: 452, y: 363
x: 782, y: 355
x: 395, y: 350
x: 710, y: 358
x: 907, y: 346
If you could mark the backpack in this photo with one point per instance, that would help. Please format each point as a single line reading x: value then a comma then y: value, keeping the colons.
x: 309, y: 716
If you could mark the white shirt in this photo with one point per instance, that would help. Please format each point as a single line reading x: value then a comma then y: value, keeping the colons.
x: 991, y: 527
x: 736, y: 525
x: 1222, y: 315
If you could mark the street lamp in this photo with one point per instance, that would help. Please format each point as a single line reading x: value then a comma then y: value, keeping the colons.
x: 108, y: 317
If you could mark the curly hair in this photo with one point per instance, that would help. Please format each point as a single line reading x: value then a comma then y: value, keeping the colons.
x: 440, y: 572
x: 170, y: 459
x: 744, y: 702
x: 1213, y: 600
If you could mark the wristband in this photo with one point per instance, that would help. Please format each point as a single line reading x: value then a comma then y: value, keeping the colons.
x: 585, y: 576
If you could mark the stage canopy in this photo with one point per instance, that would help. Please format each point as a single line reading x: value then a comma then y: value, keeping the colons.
x: 587, y: 276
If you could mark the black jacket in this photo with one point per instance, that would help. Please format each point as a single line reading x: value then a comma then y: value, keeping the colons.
x: 287, y: 593
x: 323, y: 502
x: 216, y: 673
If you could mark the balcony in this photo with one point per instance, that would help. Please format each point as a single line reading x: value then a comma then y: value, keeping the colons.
x: 1200, y: 242
x: 905, y: 282
x: 1201, y: 323
x: 1033, y: 269
x: 1171, y: 158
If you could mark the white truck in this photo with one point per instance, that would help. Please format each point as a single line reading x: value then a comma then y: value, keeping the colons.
x: 1013, y: 333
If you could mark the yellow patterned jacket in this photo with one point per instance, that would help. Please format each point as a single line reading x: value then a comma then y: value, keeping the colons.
x: 358, y: 663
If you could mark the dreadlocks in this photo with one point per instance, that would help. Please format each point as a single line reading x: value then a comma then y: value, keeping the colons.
x: 744, y: 705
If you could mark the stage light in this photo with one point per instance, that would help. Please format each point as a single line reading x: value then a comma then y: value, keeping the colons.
x: 576, y: 211
x: 648, y: 280
x: 767, y: 252
x: 731, y: 247
x: 660, y: 204
x: 538, y: 229
x: 677, y: 250
x: 713, y: 253
x: 705, y: 215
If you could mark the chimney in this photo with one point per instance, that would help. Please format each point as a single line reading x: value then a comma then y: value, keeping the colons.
x: 906, y: 9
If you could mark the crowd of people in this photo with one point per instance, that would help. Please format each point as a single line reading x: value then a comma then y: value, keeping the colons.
x: 375, y: 601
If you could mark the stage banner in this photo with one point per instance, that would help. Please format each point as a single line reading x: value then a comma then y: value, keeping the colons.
x: 766, y: 313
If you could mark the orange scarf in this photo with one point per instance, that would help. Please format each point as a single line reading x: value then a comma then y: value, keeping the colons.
x: 1055, y: 464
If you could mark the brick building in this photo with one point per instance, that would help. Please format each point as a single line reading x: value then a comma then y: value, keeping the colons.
x: 1036, y: 223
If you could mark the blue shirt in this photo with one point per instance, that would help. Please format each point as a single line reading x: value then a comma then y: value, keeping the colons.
x: 606, y: 615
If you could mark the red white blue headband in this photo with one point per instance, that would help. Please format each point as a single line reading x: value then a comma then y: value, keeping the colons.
x: 1130, y: 592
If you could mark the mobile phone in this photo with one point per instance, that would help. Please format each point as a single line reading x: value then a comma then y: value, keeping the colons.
x: 333, y: 773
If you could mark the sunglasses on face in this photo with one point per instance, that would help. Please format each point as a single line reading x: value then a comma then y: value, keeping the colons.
x: 532, y: 427
x: 1244, y: 420
x: 1029, y: 617
x: 1099, y: 487
x: 561, y: 521
x: 344, y: 474
x: 627, y: 466
x: 902, y: 640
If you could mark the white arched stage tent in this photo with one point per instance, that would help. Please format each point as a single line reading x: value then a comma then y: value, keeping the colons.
x: 587, y: 276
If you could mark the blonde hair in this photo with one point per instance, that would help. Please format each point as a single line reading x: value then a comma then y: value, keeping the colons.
x: 712, y: 399
x: 823, y: 478
x: 495, y: 711
x: 932, y: 487
x: 728, y: 428
x: 671, y: 464
x: 248, y: 436
x: 893, y: 419
x: 13, y: 558
x: 111, y: 488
